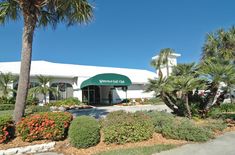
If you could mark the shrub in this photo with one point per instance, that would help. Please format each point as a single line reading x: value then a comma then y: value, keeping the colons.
x: 7, y: 107
x: 178, y: 128
x: 84, y: 132
x: 217, y: 111
x: 5, y: 100
x: 6, y: 128
x: 154, y: 101
x: 32, y: 100
x: 186, y: 130
x: 121, y: 127
x: 67, y: 102
x: 214, y: 125
x: 48, y: 125
x: 228, y: 107
x: 36, y: 109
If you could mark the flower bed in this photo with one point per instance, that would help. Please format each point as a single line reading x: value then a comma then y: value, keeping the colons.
x: 6, y: 128
x: 48, y: 125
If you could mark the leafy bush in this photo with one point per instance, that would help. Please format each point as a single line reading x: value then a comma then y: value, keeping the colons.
x: 84, y: 132
x: 154, y: 101
x: 186, y: 130
x: 217, y: 111
x: 48, y: 125
x: 121, y: 127
x: 214, y: 125
x: 32, y: 100
x: 5, y: 100
x: 7, y: 107
x: 6, y: 128
x: 37, y: 109
x: 67, y: 102
x: 178, y: 128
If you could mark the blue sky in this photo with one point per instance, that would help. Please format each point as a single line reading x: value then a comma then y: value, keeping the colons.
x: 126, y: 33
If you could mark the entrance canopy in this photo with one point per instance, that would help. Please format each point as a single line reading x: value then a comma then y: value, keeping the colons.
x: 107, y: 79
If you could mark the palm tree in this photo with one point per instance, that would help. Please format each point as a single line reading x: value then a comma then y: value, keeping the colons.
x: 5, y: 81
x: 39, y: 13
x: 43, y: 87
x: 220, y: 44
x: 217, y: 71
x: 162, y: 60
x: 185, y: 69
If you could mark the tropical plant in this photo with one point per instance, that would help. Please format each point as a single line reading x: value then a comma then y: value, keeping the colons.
x: 5, y: 81
x: 43, y: 87
x: 220, y: 44
x: 39, y: 13
x: 162, y: 60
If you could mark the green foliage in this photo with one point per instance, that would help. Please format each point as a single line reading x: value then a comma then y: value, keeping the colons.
x: 214, y: 124
x: 178, y: 128
x: 4, y: 107
x: 121, y: 127
x: 219, y: 111
x: 32, y: 100
x: 47, y: 125
x: 145, y: 150
x: 37, y: 109
x: 84, y: 132
x: 6, y: 128
x: 6, y: 79
x: 67, y: 102
x: 154, y: 101
x: 186, y: 130
x: 5, y: 100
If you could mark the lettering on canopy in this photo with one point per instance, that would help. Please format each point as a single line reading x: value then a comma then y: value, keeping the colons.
x: 112, y: 82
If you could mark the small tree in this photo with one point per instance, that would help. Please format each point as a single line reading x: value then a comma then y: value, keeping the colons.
x: 162, y: 60
x: 5, y: 81
x: 43, y: 87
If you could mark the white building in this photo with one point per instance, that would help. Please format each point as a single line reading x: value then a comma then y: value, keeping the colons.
x: 88, y: 83
x: 172, y: 61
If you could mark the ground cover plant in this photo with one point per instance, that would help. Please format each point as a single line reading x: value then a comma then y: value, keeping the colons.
x: 84, y: 132
x: 122, y: 127
x: 47, y: 125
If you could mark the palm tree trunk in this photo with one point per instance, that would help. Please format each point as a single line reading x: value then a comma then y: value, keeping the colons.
x: 187, y: 106
x: 26, y: 54
x: 167, y: 68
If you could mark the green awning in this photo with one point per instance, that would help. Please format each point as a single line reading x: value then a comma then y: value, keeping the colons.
x: 107, y: 79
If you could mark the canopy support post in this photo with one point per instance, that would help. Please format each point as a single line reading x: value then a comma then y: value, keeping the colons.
x: 88, y: 101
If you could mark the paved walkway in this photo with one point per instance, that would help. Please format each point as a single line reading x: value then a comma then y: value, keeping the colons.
x: 100, y: 112
x: 223, y: 145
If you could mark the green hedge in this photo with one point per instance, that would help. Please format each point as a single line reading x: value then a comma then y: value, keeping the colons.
x: 6, y: 128
x: 84, y: 132
x: 47, y: 125
x: 217, y: 111
x: 121, y: 127
x: 4, y: 107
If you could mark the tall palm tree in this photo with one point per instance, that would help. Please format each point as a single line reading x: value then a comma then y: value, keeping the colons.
x: 184, y: 69
x: 162, y: 60
x: 39, y: 13
x: 5, y: 80
x: 220, y: 44
x: 43, y: 87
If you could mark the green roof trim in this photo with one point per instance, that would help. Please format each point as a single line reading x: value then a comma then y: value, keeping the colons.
x: 107, y: 79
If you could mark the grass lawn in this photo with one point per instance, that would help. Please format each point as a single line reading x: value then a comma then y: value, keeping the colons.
x: 146, y: 150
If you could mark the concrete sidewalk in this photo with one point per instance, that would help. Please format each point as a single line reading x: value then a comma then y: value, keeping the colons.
x: 222, y: 145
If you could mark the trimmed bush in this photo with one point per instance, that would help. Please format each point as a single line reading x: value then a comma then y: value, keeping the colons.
x: 218, y: 111
x: 121, y: 127
x: 47, y: 125
x: 214, y: 125
x: 84, y: 132
x: 66, y: 102
x: 4, y: 107
x: 186, y: 130
x: 36, y: 109
x: 178, y: 128
x: 6, y: 128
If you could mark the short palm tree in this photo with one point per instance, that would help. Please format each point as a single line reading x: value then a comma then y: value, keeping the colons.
x: 5, y: 81
x: 43, y: 87
x: 162, y: 60
x: 39, y: 13
x: 185, y: 69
